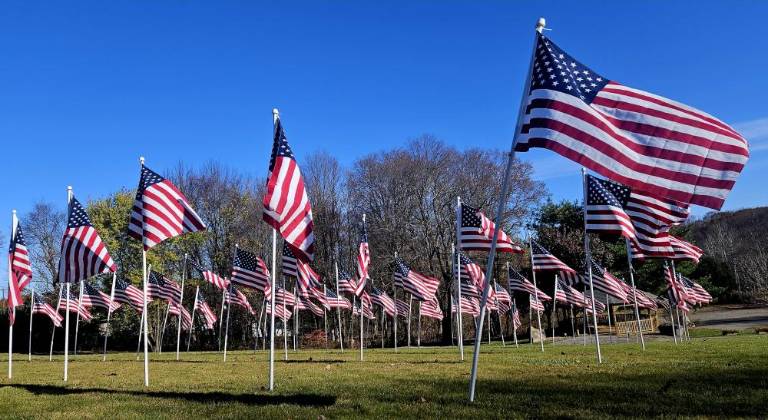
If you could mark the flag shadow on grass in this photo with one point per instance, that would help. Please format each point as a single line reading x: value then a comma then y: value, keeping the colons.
x: 306, y: 400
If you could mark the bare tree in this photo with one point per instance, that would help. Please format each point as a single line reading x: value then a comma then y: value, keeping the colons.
x: 43, y: 227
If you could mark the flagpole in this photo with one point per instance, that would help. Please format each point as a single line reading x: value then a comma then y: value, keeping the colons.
x: 460, y: 329
x: 573, y: 326
x: 538, y: 302
x: 325, y: 320
x: 410, y: 304
x: 634, y: 291
x: 361, y: 327
x: 259, y: 331
x: 161, y: 333
x: 181, y: 301
x: 514, y: 327
x: 109, y: 315
x: 489, y: 325
x: 608, y: 309
x: 295, y: 317
x: 14, y: 223
x: 394, y: 294
x: 338, y: 308
x: 77, y: 323
x: 589, y: 267
x: 418, y: 335
x: 499, y: 211
x: 141, y: 333
x: 226, y: 329
x: 275, y: 117
x: 221, y: 313
x: 554, y: 306
x: 53, y: 331
x: 192, y: 328
x: 31, y: 308
x: 68, y: 288
x: 285, y: 328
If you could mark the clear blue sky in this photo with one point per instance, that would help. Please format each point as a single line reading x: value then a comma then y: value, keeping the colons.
x: 87, y: 87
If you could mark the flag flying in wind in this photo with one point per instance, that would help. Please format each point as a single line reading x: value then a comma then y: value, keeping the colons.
x: 129, y: 294
x: 605, y: 282
x: 420, y: 286
x: 209, y: 317
x: 308, y: 277
x: 211, y: 277
x: 237, y: 297
x: 637, y: 138
x: 347, y: 284
x: 535, y: 304
x: 160, y: 287
x: 403, y: 309
x: 160, y: 211
x: 518, y: 283
x: 332, y: 300
x: 605, y: 208
x: 516, y: 322
x: 381, y: 298
x: 543, y: 260
x: 685, y: 250
x: 74, y: 306
x: 250, y: 271
x: 470, y: 306
x: 286, y: 203
x: 475, y: 274
x: 476, y: 232
x: 363, y: 260
x: 96, y: 298
x: 695, y: 291
x: 186, y: 318
x: 83, y: 254
x: 288, y: 262
x: 20, y: 273
x: 431, y: 309
x: 304, y: 303
x: 568, y: 295
x: 42, y: 307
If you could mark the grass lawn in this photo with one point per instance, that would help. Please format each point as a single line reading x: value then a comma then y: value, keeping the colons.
x: 715, y: 376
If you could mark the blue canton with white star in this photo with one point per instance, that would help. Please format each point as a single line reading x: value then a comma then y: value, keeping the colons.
x: 280, y: 147
x: 604, y: 192
x: 554, y: 69
x: 77, y: 215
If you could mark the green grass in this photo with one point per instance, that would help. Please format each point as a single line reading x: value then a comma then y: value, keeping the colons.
x: 719, y: 376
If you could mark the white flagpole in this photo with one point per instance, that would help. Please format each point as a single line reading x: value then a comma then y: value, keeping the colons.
x: 295, y: 317
x: 634, y: 291
x: 410, y: 304
x: 77, y: 323
x: 418, y: 334
x: 66, y: 315
x: 53, y: 331
x: 259, y: 330
x: 536, y: 297
x: 275, y: 117
x: 226, y: 328
x: 109, y: 315
x: 338, y: 308
x: 554, y: 313
x: 161, y: 333
x: 31, y: 308
x: 361, y: 310
x: 394, y: 294
x: 573, y: 325
x: 460, y: 324
x: 14, y: 223
x: 284, y: 322
x: 192, y: 328
x: 514, y: 327
x: 221, y: 313
x: 181, y: 301
x: 141, y: 334
x: 502, y: 200
x: 146, y: 315
x: 325, y: 319
x: 608, y: 310
x: 589, y: 267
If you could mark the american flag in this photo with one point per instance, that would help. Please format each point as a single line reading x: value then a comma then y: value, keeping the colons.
x: 363, y: 260
x: 543, y: 260
x: 286, y: 204
x: 83, y: 254
x: 160, y: 287
x: 605, y: 282
x: 403, y: 309
x: 431, y: 309
x: 303, y: 303
x: 476, y: 232
x: 332, y: 300
x: 250, y: 271
x: 280, y: 312
x: 237, y: 297
x: 640, y: 139
x: 284, y: 296
x: 288, y: 262
x: 347, y: 284
x: 567, y: 294
x: 518, y: 283
x: 92, y: 297
x: 74, y: 306
x: 366, y: 307
x: 20, y: 273
x: 605, y: 208
x: 420, y: 286
x: 516, y: 322
x: 468, y: 288
x: 211, y: 277
x: 475, y: 274
x: 685, y: 250
x: 695, y: 290
x: 42, y: 307
x: 469, y: 306
x: 674, y: 301
x: 308, y: 277
x: 209, y: 317
x: 129, y: 294
x: 186, y: 319
x: 160, y: 211
x: 381, y: 298
x: 502, y: 295
x: 599, y: 306
x: 535, y: 304
x: 642, y: 300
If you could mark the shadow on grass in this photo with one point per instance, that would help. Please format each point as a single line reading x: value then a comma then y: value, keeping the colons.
x: 305, y: 400
x: 319, y: 361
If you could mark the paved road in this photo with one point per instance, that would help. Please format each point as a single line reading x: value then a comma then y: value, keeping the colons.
x: 731, y: 317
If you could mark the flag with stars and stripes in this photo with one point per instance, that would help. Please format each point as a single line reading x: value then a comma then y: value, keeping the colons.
x: 20, y: 274
x: 468, y: 288
x: 250, y: 271
x: 381, y: 298
x: 565, y: 293
x: 599, y: 306
x: 536, y: 304
x: 431, y: 309
x: 403, y: 309
x: 516, y: 322
x: 96, y: 298
x: 605, y: 282
x: 209, y: 317
x: 333, y: 300
x: 469, y: 306
x: 286, y: 203
x: 161, y: 287
x: 363, y: 261
x: 74, y: 306
x: 283, y: 296
x: 42, y: 307
x: 518, y: 283
x: 186, y: 318
x: 634, y: 137
x: 476, y: 232
x: 304, y: 304
x: 237, y: 297
x: 605, y: 208
x: 347, y: 284
x: 685, y: 251
x: 475, y: 274
x: 83, y: 254
x: 420, y: 286
x: 288, y: 262
x: 544, y: 260
x: 219, y: 281
x: 284, y: 313
x: 160, y: 211
x: 129, y: 294
x: 308, y: 277
x: 696, y: 292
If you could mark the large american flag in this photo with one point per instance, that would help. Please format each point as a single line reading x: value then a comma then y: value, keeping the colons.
x: 74, y: 305
x: 160, y: 211
x: 518, y: 283
x: 475, y: 274
x: 685, y: 250
x: 605, y: 208
x: 420, y: 286
x: 250, y: 271
x: 476, y: 232
x: 381, y: 298
x: 543, y: 260
x: 209, y: 317
x: 92, y: 297
x: 42, y: 307
x: 286, y: 203
x: 288, y: 262
x: 363, y: 260
x: 129, y: 294
x: 160, y: 287
x: 431, y: 309
x: 569, y: 295
x: 186, y: 318
x: 21, y: 271
x: 469, y: 305
x: 83, y: 254
x: 640, y: 139
x: 237, y: 297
